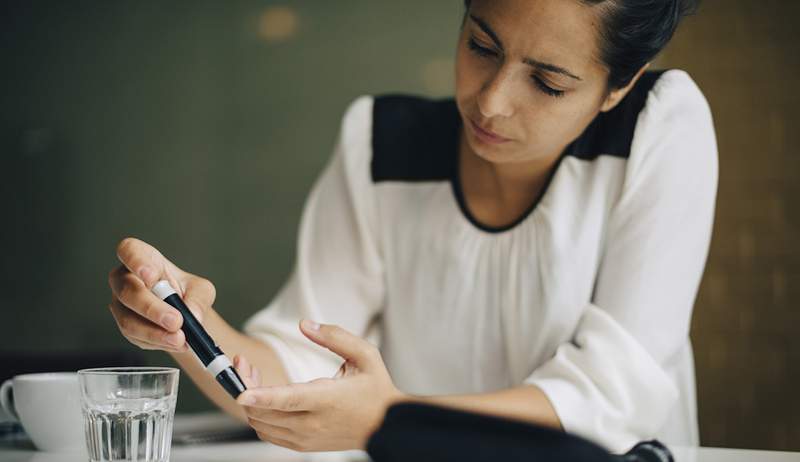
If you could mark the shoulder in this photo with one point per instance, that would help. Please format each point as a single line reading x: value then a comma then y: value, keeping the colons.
x: 352, y: 153
x: 356, y: 122
x: 657, y: 98
x: 674, y: 129
x: 675, y: 103
x: 675, y: 88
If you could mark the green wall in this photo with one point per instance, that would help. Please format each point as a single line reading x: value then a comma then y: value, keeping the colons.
x: 178, y: 123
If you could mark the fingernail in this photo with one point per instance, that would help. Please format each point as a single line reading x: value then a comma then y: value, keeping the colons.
x: 310, y: 325
x: 170, y: 321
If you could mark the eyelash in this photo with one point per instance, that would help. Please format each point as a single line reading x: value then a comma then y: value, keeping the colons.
x: 487, y: 53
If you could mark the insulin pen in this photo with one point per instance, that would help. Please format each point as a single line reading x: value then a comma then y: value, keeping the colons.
x: 212, y: 357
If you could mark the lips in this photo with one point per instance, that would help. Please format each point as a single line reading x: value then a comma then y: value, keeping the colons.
x: 485, y: 135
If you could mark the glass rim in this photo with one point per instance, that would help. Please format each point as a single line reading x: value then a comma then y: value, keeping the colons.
x: 129, y: 370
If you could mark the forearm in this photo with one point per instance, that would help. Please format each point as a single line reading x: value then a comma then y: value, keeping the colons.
x: 527, y: 403
x: 232, y: 342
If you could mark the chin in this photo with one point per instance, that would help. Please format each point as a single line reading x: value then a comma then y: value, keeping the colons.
x: 493, y: 154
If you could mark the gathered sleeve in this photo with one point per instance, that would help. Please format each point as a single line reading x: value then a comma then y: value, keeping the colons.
x: 338, y: 272
x: 609, y: 382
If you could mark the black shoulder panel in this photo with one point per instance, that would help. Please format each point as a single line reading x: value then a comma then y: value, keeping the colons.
x: 413, y: 139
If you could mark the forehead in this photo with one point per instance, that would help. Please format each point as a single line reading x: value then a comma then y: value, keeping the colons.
x: 561, y: 32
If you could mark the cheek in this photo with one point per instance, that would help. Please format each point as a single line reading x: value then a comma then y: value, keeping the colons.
x: 550, y: 127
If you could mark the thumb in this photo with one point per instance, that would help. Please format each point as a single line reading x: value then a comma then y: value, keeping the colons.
x: 199, y: 295
x: 350, y: 347
x: 247, y: 372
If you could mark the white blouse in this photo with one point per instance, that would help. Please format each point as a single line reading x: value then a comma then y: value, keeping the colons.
x: 588, y: 295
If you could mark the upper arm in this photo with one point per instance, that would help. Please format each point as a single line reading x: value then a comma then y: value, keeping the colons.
x: 660, y: 228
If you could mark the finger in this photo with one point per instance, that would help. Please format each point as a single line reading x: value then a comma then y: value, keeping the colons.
x: 293, y: 397
x: 131, y: 291
x: 134, y: 327
x: 243, y: 365
x: 284, y: 419
x: 245, y: 371
x: 350, y: 347
x: 141, y: 331
x: 199, y: 293
x: 147, y: 263
x: 279, y: 442
x: 144, y: 345
x: 150, y: 346
x: 274, y: 431
x: 256, y: 376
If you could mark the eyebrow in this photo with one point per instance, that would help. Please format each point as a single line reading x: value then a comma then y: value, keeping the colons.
x: 529, y: 61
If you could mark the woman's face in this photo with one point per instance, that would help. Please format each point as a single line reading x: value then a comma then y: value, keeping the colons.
x: 527, y: 71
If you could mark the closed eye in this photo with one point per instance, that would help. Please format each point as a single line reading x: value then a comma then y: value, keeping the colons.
x: 485, y: 52
x: 546, y: 88
x: 480, y: 50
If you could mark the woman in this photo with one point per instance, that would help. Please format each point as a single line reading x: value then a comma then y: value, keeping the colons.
x: 531, y: 249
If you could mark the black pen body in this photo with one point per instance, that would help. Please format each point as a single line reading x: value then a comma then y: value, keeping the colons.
x: 207, y: 351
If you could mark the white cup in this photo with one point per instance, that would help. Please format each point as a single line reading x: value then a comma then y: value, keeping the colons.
x: 49, y: 407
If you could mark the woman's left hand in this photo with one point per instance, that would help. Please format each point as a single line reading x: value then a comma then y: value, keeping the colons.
x: 327, y: 414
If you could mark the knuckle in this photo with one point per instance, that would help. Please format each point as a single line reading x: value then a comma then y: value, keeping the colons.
x: 293, y: 403
x: 209, y: 287
x: 289, y: 405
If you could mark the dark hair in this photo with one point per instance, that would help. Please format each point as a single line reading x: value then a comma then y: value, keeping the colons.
x: 633, y: 32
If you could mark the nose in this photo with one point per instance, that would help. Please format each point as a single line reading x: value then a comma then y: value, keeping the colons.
x: 496, y: 97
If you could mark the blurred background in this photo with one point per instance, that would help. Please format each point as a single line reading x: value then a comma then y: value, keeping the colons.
x: 200, y: 126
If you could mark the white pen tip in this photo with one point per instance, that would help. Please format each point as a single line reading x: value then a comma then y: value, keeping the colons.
x: 162, y: 289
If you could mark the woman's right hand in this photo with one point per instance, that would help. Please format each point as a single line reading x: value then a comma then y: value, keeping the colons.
x: 144, y: 319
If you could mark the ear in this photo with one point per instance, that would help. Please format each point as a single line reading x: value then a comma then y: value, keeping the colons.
x: 615, y: 96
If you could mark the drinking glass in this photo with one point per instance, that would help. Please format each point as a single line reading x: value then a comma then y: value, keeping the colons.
x: 128, y: 412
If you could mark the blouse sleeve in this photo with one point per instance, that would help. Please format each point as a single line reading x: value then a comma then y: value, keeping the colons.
x: 338, y: 273
x: 609, y: 383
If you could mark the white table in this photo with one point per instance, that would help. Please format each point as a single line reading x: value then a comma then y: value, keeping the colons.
x: 257, y: 451
x: 262, y: 452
